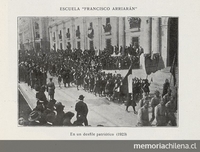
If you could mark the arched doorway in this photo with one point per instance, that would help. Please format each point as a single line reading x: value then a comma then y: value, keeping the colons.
x: 172, y: 41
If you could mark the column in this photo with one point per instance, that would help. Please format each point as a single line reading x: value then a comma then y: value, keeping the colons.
x: 164, y: 39
x: 121, y: 33
x: 64, y: 36
x: 57, y: 38
x: 155, y: 35
x: 50, y: 37
x: 100, y: 32
x: 84, y: 33
x: 145, y: 39
x: 73, y: 34
x: 146, y: 35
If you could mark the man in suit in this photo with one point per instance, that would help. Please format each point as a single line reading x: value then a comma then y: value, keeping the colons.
x: 82, y: 110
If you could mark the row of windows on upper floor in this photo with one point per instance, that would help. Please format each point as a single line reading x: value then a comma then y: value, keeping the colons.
x: 133, y: 22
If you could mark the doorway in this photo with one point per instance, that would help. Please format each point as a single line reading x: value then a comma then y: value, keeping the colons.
x: 173, y: 41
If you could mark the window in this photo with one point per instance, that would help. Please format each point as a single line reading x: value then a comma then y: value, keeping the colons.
x: 36, y: 25
x: 134, y: 22
x: 60, y: 35
x: 68, y: 34
x: 107, y: 21
x: 135, y: 41
x: 78, y: 44
x: 78, y: 32
x: 108, y: 43
x: 61, y: 46
x: 107, y: 27
x: 91, y: 45
x: 54, y: 46
x: 91, y: 24
x: 37, y: 35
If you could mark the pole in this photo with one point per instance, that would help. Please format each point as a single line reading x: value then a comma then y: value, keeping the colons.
x: 171, y: 68
x: 33, y: 33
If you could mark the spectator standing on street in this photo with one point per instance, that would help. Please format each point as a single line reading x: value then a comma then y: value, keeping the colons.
x: 145, y: 98
x: 60, y: 114
x: 130, y: 102
x: 34, y: 118
x: 59, y: 80
x: 143, y: 115
x: 82, y: 110
x: 67, y: 119
x: 154, y: 102
x: 51, y: 89
x: 166, y: 86
x: 171, y: 109
x: 167, y: 96
x: 161, y: 114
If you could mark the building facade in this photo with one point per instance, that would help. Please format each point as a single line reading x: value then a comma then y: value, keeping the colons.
x: 33, y: 33
x: 157, y: 36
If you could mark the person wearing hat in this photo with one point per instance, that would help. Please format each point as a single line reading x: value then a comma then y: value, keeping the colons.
x: 50, y: 119
x: 166, y: 86
x: 171, y: 109
x: 144, y: 98
x: 145, y: 86
x: 41, y: 97
x: 154, y: 102
x: 82, y: 109
x: 50, y: 110
x: 167, y: 96
x: 51, y: 89
x: 161, y: 114
x: 60, y: 114
x: 34, y: 118
x: 130, y: 102
x: 143, y: 115
x: 67, y: 119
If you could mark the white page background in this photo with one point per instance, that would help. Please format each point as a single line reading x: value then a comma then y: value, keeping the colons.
x: 189, y: 41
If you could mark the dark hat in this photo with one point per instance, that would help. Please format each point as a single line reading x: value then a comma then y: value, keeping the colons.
x: 69, y: 115
x: 59, y: 104
x: 34, y: 115
x: 21, y: 121
x: 53, y: 101
x: 51, y: 78
x: 51, y: 117
x: 39, y: 107
x: 50, y: 105
x: 81, y: 97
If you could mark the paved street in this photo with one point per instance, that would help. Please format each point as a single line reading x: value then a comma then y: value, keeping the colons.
x: 101, y: 111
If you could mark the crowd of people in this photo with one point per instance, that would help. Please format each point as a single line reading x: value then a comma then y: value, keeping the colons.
x: 84, y: 70
x: 51, y: 113
x: 163, y: 109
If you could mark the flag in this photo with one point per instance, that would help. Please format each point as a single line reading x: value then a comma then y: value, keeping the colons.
x: 127, y: 82
x: 173, y: 70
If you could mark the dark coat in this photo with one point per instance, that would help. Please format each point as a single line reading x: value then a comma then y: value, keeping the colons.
x: 51, y: 88
x: 81, y: 108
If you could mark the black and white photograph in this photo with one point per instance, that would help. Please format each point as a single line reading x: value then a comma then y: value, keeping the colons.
x: 98, y: 71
